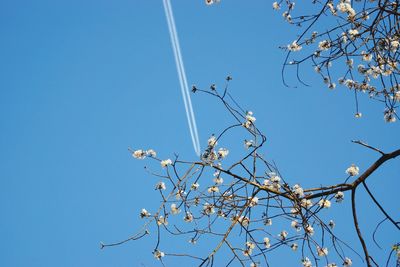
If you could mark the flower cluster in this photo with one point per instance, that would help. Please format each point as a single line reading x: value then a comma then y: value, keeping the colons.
x: 298, y: 191
x: 250, y: 119
x: 211, y: 154
x: 273, y: 182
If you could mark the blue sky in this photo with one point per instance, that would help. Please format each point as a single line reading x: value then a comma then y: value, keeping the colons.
x: 80, y: 81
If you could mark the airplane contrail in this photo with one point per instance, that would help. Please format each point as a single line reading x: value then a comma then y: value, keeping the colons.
x: 182, y: 76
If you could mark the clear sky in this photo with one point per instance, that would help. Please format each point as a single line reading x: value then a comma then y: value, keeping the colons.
x: 80, y: 81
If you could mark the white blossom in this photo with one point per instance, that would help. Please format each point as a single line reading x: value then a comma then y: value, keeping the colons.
x: 151, y: 153
x: 228, y: 195
x: 222, y: 153
x: 273, y: 182
x: 213, y: 189
x: 250, y: 245
x: 165, y: 163
x: 208, y: 209
x: 353, y: 170
x: 282, y: 235
x: 295, y: 210
x: 353, y: 33
x: 294, y: 46
x: 389, y: 115
x: 350, y: 62
x: 253, y: 201
x: 266, y: 242
x: 210, y: 2
x: 345, y: 7
x: 332, y: 85
x: 394, y: 45
x: 188, y: 217
x: 350, y: 83
x: 344, y: 37
x: 250, y: 119
x: 306, y: 262
x: 339, y: 196
x: 174, y: 209
x: 268, y: 222
x: 139, y: 154
x: 161, y: 186
x: 220, y: 213
x: 306, y: 203
x: 162, y: 220
x: 347, y: 262
x: 194, y: 186
x: 179, y: 194
x: 249, y: 248
x: 144, y: 213
x: 218, y: 180
x: 212, y: 141
x: 244, y: 221
x: 362, y: 69
x: 248, y: 143
x: 331, y: 8
x: 295, y: 225
x: 365, y: 15
x: 287, y: 16
x: 396, y: 96
x: 322, y: 252
x: 309, y: 229
x: 247, y: 252
x: 294, y: 246
x: 276, y: 6
x: 366, y: 56
x: 298, y: 190
x: 324, y: 45
x: 158, y: 254
x: 324, y: 203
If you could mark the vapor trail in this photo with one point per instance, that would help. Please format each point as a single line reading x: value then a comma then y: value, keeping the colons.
x: 182, y: 76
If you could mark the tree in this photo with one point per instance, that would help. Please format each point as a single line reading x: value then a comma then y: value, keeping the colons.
x: 360, y: 38
x: 248, y: 195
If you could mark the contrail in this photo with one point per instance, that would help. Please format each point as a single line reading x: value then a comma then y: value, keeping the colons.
x: 182, y: 76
